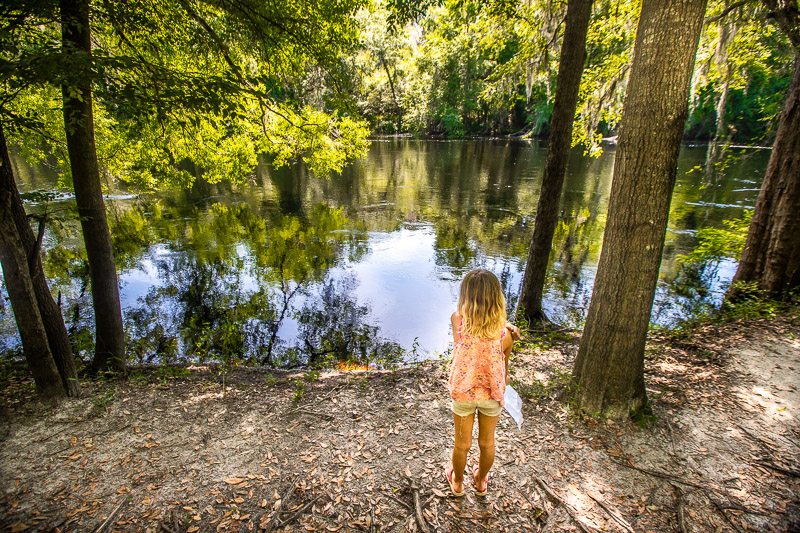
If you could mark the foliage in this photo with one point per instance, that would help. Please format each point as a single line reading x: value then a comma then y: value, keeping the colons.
x: 752, y: 302
x: 475, y: 68
x: 214, y: 83
x: 716, y: 244
x: 743, y: 54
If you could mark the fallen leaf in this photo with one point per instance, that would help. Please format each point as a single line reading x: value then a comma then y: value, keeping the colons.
x: 234, y: 480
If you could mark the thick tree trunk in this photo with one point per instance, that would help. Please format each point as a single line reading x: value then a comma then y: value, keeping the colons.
x: 770, y: 257
x: 18, y: 282
x: 79, y: 125
x: 50, y: 312
x: 570, y: 70
x: 608, y: 376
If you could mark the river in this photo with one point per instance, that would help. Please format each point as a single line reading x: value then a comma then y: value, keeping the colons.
x: 290, y: 267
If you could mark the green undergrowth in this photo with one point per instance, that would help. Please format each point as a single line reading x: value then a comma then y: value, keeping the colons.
x: 751, y: 304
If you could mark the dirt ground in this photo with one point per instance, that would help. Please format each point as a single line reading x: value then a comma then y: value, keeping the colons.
x: 366, y: 450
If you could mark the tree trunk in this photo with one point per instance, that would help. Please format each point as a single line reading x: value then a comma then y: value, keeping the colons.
x: 79, y: 125
x: 570, y: 70
x: 715, y: 153
x: 770, y: 257
x: 18, y: 282
x: 397, y: 109
x: 50, y: 312
x: 608, y: 376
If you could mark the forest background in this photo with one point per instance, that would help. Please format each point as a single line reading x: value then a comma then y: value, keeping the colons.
x: 315, y: 80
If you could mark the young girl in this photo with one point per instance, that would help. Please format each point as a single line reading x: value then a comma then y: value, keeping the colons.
x: 478, y: 375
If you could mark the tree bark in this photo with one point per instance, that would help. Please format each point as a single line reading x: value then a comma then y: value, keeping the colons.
x: 570, y: 70
x: 608, y: 376
x: 770, y: 257
x: 50, y: 312
x: 79, y: 125
x: 18, y: 282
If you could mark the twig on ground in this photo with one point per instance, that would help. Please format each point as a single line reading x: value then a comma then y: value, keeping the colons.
x: 558, y: 501
x: 401, y: 502
x: 428, y: 501
x: 736, y: 507
x: 777, y: 468
x: 298, y: 512
x: 680, y: 510
x: 724, y: 514
x: 112, y: 517
x: 276, y: 517
x: 767, y: 447
x: 671, y: 436
x: 331, y: 393
x: 423, y: 526
x: 613, y: 512
x: 165, y: 527
x: 662, y: 475
x: 551, y: 519
x: 314, y: 413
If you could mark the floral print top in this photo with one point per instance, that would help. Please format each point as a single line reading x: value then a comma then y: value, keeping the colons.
x: 478, y: 371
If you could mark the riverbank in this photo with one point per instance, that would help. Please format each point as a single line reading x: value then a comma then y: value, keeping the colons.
x: 366, y: 450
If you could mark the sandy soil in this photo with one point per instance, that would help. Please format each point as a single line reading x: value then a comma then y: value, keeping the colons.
x: 366, y: 450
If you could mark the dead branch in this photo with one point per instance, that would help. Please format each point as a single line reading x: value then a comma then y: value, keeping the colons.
x: 297, y: 513
x: 558, y: 501
x: 401, y: 502
x: 680, y: 510
x: 613, y: 512
x: 662, y: 475
x: 329, y: 395
x: 743, y: 509
x: 313, y: 413
x: 423, y: 526
x: 724, y: 514
x: 112, y: 517
x: 769, y: 449
x: 736, y: 5
x: 276, y: 517
x: 165, y: 527
x: 777, y: 468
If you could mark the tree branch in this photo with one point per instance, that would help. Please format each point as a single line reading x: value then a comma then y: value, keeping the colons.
x: 724, y: 13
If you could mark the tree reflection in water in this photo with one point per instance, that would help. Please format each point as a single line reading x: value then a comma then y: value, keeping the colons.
x: 225, y: 293
x: 333, y: 328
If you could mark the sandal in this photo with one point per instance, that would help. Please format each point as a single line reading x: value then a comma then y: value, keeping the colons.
x: 485, y: 482
x: 448, y: 473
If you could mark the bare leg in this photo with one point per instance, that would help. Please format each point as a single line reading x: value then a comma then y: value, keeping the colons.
x: 461, y: 448
x: 486, y: 427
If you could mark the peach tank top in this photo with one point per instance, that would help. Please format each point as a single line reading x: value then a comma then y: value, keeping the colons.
x: 478, y: 371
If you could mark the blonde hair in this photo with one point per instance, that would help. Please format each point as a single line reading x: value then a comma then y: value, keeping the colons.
x: 481, y: 304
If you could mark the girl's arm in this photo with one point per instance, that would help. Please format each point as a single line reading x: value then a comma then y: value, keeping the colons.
x: 508, y: 343
x: 514, y: 330
x: 455, y: 321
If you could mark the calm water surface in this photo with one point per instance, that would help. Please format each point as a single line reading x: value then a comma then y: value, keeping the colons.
x: 293, y: 268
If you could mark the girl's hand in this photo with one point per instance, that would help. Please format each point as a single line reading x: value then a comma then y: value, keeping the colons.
x: 508, y: 380
x: 514, y: 330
